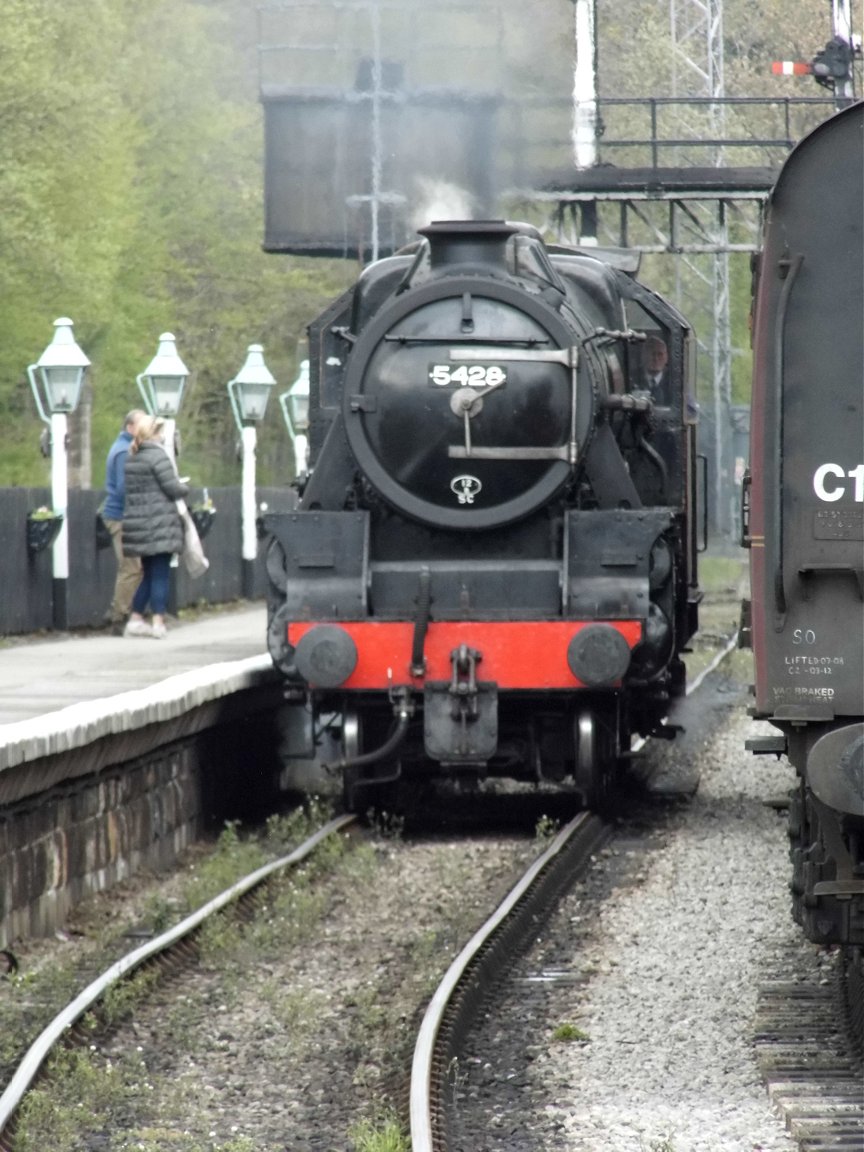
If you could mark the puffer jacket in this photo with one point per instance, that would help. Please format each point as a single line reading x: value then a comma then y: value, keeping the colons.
x: 151, y: 522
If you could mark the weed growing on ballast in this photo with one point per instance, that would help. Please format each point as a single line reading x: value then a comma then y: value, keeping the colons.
x: 546, y: 830
x: 568, y: 1033
x: 384, y: 1134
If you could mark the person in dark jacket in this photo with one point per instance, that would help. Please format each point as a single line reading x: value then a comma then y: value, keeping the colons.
x: 128, y: 567
x: 152, y: 528
x: 657, y: 370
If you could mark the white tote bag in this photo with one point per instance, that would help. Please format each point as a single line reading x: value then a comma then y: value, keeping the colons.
x: 194, y: 560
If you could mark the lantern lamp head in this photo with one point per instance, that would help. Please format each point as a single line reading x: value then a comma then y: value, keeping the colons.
x: 250, y: 389
x: 58, y: 375
x: 162, y: 382
x: 295, y: 403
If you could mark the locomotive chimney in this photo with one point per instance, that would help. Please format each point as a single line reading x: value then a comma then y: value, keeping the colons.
x: 478, y: 242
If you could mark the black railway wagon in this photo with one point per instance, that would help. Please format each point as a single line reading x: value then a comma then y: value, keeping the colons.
x: 805, y: 525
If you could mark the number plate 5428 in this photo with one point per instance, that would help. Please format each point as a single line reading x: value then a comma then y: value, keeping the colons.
x: 467, y: 375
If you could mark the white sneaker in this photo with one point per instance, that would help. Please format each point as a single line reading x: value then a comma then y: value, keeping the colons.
x: 158, y: 631
x: 137, y: 628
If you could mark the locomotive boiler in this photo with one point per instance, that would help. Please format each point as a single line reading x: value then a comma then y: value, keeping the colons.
x: 492, y: 568
x: 804, y: 515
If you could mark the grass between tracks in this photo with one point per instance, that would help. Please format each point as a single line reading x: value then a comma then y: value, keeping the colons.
x: 96, y: 1096
x: 384, y: 1134
x: 76, y: 1104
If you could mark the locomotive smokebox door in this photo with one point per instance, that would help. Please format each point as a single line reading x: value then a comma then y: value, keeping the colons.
x: 464, y: 402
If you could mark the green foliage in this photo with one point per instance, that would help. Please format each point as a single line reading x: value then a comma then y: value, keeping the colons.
x: 120, y: 999
x: 132, y: 192
x: 384, y: 1134
x: 546, y: 830
x: 80, y: 1092
x: 85, y: 1092
x: 754, y: 33
x: 232, y: 859
x: 387, y: 825
x: 568, y: 1033
x: 43, y: 513
x: 721, y: 574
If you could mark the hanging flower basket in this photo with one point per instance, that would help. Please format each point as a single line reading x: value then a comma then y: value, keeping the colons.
x: 43, y: 528
x: 203, y: 518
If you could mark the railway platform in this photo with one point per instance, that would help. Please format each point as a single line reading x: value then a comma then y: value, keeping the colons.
x: 116, y: 752
x: 63, y: 691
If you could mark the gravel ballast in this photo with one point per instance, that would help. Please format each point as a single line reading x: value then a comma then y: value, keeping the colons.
x: 663, y: 984
x: 656, y: 958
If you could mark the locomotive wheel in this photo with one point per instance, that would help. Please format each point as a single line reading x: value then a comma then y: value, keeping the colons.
x: 594, y: 761
x: 586, y: 772
x: 360, y: 793
x: 351, y: 743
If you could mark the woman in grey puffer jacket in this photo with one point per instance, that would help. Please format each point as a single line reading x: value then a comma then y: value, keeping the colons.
x: 152, y: 528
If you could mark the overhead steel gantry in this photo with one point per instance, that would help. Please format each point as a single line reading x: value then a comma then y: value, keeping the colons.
x: 687, y: 174
x: 665, y: 210
x: 657, y: 205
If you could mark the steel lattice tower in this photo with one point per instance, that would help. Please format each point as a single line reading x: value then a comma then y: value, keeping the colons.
x: 697, y: 40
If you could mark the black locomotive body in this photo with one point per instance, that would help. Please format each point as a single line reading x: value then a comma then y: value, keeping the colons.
x: 805, y: 521
x: 492, y: 568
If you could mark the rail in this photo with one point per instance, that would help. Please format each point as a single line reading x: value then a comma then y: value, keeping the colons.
x: 457, y: 996
x: 59, y: 1028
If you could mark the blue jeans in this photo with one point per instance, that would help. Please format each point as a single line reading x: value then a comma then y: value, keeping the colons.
x: 153, y: 589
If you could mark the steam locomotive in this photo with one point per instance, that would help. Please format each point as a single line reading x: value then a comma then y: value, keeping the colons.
x: 804, y: 516
x: 491, y: 571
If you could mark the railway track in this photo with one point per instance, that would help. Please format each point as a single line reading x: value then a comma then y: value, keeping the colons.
x: 173, y: 949
x: 335, y: 962
x: 809, y: 1050
x: 505, y: 1089
x: 480, y: 963
x: 446, y: 1020
x: 442, y: 1056
x: 167, y: 952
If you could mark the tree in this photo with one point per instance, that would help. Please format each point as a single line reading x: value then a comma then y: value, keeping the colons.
x: 132, y: 190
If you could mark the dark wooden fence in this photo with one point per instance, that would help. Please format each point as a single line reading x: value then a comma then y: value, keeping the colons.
x: 26, y: 581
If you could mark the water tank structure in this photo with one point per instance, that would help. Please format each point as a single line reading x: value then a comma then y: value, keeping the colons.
x: 382, y: 115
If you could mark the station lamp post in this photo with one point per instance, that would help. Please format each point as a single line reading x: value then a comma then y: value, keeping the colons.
x: 56, y: 380
x: 295, y: 409
x: 249, y: 392
x: 161, y: 386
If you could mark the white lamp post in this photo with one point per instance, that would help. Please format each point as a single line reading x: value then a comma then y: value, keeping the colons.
x: 249, y: 392
x: 161, y: 385
x: 56, y: 380
x: 295, y: 409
